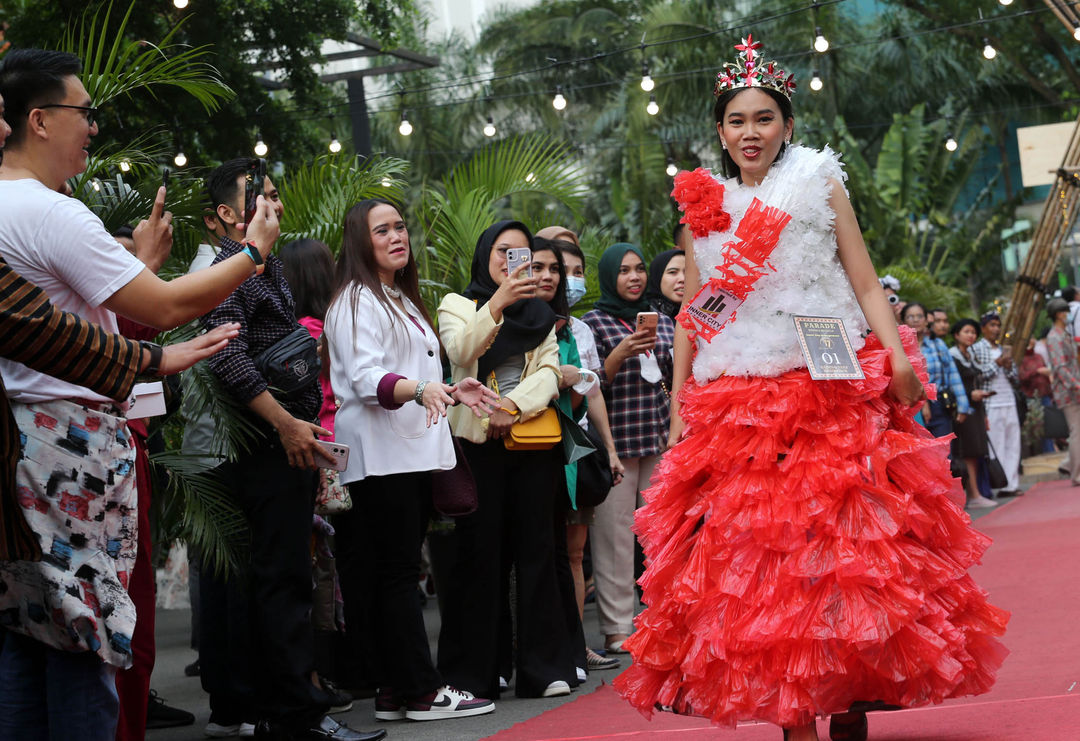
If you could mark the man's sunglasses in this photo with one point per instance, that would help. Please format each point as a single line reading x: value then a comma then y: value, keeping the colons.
x: 90, y: 111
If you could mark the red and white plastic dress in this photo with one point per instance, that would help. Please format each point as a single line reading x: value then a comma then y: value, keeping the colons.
x: 802, y: 551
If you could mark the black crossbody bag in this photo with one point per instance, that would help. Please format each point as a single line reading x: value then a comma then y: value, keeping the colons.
x: 292, y: 363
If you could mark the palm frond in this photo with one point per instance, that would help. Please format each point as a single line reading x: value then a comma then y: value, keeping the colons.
x: 114, y: 65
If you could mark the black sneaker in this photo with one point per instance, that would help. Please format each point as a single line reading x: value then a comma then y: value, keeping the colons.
x: 193, y: 669
x: 160, y: 715
x: 340, y: 700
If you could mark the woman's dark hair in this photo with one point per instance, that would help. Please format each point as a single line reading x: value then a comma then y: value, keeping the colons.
x: 786, y: 112
x: 309, y: 270
x: 356, y: 267
x: 908, y: 307
x: 558, y: 303
x: 568, y: 247
x: 961, y: 323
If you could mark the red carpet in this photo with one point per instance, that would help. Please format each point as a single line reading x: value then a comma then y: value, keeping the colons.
x: 1030, y: 570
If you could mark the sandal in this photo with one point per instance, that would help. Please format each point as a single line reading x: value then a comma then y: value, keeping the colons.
x: 849, y: 726
x: 596, y: 662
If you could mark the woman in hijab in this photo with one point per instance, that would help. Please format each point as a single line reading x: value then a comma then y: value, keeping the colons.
x: 666, y: 279
x: 501, y: 334
x: 635, y: 376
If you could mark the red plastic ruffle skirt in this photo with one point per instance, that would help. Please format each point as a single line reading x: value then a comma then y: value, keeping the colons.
x: 803, y: 554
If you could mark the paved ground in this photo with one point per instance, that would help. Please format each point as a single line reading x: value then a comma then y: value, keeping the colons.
x: 185, y: 692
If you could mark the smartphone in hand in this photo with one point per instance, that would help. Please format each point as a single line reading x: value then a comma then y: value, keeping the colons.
x: 253, y: 186
x: 648, y: 320
x: 516, y: 257
x: 338, y: 451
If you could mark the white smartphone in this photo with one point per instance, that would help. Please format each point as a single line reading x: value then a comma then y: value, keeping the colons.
x: 338, y: 451
x: 648, y: 320
x: 516, y: 257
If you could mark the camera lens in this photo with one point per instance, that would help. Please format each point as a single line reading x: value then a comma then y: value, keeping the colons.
x: 894, y: 299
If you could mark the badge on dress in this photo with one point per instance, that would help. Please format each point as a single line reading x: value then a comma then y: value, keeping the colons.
x: 711, y: 309
x: 826, y: 348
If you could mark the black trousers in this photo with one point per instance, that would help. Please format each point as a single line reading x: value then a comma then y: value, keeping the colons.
x: 256, y: 651
x: 513, y: 521
x: 378, y: 546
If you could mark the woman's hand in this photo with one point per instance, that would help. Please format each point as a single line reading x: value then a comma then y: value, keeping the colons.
x: 500, y: 421
x: 518, y: 285
x: 960, y: 417
x: 675, y: 430
x: 637, y: 343
x: 618, y: 470
x: 571, y: 376
x: 435, y: 399
x: 978, y: 395
x: 475, y: 396
x: 905, y: 386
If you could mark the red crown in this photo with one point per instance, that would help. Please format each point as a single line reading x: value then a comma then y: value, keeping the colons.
x: 750, y: 71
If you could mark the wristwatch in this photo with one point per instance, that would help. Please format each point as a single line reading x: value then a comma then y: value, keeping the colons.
x: 256, y: 257
x: 155, y: 350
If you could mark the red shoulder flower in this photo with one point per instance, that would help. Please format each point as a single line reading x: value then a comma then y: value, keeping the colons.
x: 701, y: 199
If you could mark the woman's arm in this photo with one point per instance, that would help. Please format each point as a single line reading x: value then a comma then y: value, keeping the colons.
x: 536, y: 390
x: 466, y: 332
x: 904, y: 386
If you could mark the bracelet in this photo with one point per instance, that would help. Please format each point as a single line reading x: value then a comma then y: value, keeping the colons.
x: 418, y: 395
x: 155, y: 350
x: 511, y: 412
x: 256, y: 257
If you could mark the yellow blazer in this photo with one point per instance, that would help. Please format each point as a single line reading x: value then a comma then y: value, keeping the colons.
x: 466, y: 335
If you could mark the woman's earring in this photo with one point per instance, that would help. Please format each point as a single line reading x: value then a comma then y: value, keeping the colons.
x: 787, y: 140
x: 723, y: 145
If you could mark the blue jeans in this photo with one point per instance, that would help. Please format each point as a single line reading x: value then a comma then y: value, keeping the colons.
x: 52, y: 695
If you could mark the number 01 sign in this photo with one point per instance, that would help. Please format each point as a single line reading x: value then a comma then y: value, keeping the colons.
x: 827, y: 349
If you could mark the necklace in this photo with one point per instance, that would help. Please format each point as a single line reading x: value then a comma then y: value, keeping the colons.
x: 391, y: 291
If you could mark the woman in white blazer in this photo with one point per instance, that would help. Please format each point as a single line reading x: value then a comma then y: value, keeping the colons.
x: 386, y: 371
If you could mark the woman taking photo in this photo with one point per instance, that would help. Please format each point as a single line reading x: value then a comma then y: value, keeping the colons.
x: 386, y: 370
x: 935, y: 415
x: 796, y: 529
x: 971, y: 438
x: 635, y: 375
x: 667, y: 279
x: 499, y: 332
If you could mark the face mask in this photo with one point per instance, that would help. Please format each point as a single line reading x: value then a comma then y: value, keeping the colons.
x: 575, y: 288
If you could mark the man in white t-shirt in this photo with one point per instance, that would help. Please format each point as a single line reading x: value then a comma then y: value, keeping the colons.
x: 70, y: 611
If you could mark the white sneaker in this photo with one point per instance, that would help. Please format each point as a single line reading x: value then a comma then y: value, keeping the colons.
x: 229, y: 730
x: 558, y: 688
x: 582, y: 676
x: 447, y: 702
x: 247, y: 730
x: 980, y: 503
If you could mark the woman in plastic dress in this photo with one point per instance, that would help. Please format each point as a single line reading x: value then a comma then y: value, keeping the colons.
x: 803, y: 555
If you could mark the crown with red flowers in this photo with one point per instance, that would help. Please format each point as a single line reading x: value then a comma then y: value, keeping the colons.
x: 751, y: 71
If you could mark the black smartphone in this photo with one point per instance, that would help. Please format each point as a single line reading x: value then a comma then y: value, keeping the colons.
x: 253, y: 186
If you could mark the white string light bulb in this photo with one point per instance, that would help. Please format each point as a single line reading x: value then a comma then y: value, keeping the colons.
x: 652, y: 108
x: 260, y: 148
x: 180, y: 159
x: 821, y: 44
x: 1006, y: 3
x: 989, y: 51
x: 672, y: 170
x: 558, y: 102
x: 404, y: 128
x: 530, y: 177
x: 647, y: 83
x: 335, y: 145
x: 1076, y: 33
x: 95, y: 185
x: 125, y: 166
x: 815, y: 82
x: 950, y: 143
x: 489, y: 127
x: 180, y: 4
x: 386, y: 183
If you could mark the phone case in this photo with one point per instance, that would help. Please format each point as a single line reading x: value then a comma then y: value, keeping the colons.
x: 516, y: 257
x: 339, y: 452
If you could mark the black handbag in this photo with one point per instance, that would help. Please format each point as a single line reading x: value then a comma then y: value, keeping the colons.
x: 995, y: 471
x: 453, y: 492
x: 594, y: 479
x: 1055, y: 426
x: 292, y: 363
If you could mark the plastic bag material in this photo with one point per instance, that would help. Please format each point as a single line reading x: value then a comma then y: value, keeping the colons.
x: 802, y: 554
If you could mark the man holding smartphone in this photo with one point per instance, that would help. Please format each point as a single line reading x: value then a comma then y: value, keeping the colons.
x: 256, y: 643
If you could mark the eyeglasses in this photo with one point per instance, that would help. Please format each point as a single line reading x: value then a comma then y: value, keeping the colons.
x: 90, y: 111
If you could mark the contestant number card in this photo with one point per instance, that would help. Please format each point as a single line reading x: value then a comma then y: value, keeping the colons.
x: 825, y: 345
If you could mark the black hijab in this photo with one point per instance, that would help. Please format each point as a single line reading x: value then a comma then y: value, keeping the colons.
x: 653, y: 294
x: 526, y: 323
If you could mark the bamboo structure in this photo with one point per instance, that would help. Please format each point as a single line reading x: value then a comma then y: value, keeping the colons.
x: 1058, y: 221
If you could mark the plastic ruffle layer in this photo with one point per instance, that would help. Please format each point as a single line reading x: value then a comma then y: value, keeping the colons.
x: 803, y: 554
